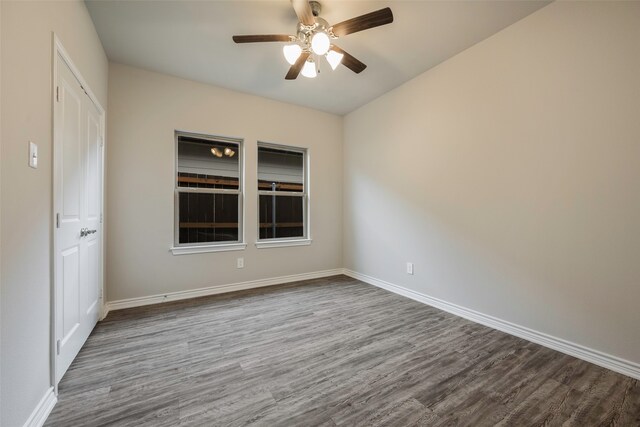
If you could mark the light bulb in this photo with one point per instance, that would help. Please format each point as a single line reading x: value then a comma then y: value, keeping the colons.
x: 229, y: 152
x: 292, y: 53
x: 309, y: 69
x: 334, y: 58
x: 216, y: 152
x: 320, y: 43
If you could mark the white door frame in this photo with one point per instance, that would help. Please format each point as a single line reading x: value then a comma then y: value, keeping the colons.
x: 58, y: 49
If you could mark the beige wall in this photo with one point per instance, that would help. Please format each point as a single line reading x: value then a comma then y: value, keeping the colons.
x: 509, y: 176
x: 26, y: 226
x: 144, y: 111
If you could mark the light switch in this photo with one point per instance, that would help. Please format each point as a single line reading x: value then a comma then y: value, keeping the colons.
x: 33, y: 155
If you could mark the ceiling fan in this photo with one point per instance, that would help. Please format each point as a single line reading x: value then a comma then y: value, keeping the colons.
x: 314, y: 38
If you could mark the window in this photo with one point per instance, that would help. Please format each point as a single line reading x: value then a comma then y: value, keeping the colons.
x: 282, y: 192
x: 208, y: 190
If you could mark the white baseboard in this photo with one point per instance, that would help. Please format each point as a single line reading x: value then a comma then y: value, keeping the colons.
x: 42, y: 410
x: 599, y: 358
x: 194, y: 293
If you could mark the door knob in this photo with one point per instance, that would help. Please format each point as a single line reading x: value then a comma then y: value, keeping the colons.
x: 84, y: 232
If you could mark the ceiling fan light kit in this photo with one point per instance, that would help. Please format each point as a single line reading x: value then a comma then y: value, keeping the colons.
x: 320, y: 43
x: 291, y: 52
x: 334, y: 59
x: 309, y: 69
x: 314, y: 37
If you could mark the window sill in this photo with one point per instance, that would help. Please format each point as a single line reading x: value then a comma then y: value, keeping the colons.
x: 186, y: 250
x: 282, y: 243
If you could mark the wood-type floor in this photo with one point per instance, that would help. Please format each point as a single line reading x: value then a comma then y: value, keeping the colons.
x: 327, y: 352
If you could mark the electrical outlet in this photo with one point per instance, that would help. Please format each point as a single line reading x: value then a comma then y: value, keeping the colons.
x: 410, y: 268
x: 240, y: 262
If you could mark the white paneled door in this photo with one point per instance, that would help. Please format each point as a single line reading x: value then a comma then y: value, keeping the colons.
x: 78, y: 207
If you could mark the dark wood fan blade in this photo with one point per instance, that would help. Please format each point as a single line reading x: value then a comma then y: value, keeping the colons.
x: 297, y: 67
x: 349, y: 61
x: 258, y: 38
x: 363, y: 22
x: 304, y: 12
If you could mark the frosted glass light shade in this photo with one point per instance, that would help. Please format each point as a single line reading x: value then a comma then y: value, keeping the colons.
x: 291, y: 53
x: 334, y: 59
x: 309, y: 69
x: 320, y: 43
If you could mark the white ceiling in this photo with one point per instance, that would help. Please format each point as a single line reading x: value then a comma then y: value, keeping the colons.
x: 192, y: 39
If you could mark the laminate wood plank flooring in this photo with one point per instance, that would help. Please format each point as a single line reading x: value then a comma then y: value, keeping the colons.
x: 327, y: 352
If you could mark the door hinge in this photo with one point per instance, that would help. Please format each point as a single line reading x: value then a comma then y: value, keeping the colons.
x: 57, y: 93
x: 100, y: 218
x: 58, y: 347
x: 101, y: 142
x: 57, y: 220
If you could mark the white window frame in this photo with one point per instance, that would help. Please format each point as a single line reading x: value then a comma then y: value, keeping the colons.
x: 305, y: 239
x: 192, y: 248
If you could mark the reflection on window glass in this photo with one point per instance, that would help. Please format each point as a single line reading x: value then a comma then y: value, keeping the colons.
x: 280, y: 170
x: 282, y: 187
x: 206, y: 217
x: 207, y: 164
x: 288, y: 213
x: 208, y: 187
